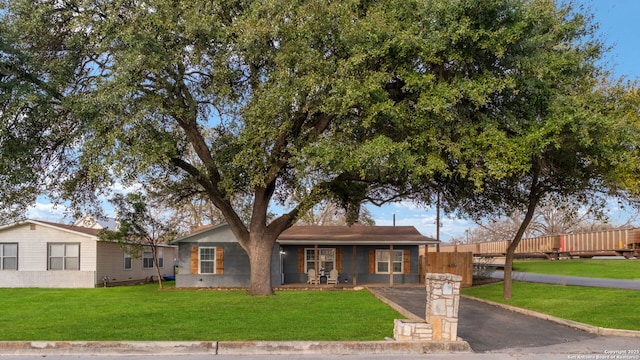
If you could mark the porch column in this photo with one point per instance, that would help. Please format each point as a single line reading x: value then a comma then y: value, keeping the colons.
x: 316, y: 265
x: 425, y: 264
x: 355, y: 267
x: 390, y: 265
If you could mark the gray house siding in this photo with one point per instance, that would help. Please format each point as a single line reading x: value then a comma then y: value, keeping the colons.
x: 289, y: 257
x: 110, y: 264
x: 236, y: 269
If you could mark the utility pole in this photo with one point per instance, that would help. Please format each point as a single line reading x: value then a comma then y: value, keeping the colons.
x: 438, y: 222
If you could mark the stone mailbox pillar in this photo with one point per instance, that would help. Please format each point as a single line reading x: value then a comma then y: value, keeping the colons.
x: 443, y: 299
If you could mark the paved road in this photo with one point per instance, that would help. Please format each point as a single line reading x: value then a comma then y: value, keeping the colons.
x: 488, y: 328
x: 571, y: 280
x: 458, y: 356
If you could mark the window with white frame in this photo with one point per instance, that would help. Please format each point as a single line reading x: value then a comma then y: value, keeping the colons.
x: 207, y: 260
x: 384, y: 262
x: 64, y: 257
x: 160, y: 252
x: 127, y: 261
x: 8, y: 256
x: 147, y: 259
x: 326, y: 259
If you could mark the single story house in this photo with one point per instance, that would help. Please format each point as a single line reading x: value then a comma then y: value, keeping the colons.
x: 44, y: 254
x: 211, y: 257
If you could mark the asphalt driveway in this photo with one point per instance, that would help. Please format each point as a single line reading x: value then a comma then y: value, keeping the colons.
x: 488, y: 328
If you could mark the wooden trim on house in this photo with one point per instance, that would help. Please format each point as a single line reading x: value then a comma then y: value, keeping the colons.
x: 406, y: 258
x: 219, y: 260
x: 339, y: 259
x: 372, y: 261
x: 301, y: 259
x: 194, y: 259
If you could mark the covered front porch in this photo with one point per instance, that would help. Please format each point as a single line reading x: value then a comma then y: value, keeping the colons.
x: 360, y: 255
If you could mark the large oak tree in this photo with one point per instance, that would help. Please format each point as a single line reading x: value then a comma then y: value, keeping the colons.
x: 275, y: 101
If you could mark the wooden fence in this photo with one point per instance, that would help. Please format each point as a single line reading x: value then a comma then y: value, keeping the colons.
x: 457, y: 263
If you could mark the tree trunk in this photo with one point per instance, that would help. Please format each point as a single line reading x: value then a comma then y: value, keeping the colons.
x: 508, y: 269
x: 508, y: 262
x: 259, y: 251
x: 259, y: 239
x: 154, y: 252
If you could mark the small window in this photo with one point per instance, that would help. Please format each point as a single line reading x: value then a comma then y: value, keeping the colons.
x: 384, y: 262
x: 160, y: 252
x: 147, y: 259
x: 8, y: 256
x: 207, y: 260
x: 64, y: 256
x: 127, y: 261
x: 310, y: 262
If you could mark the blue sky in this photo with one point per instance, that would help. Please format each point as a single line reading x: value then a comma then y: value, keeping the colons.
x: 619, y: 26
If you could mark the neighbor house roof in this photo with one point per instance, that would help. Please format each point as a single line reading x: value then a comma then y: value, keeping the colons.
x: 354, y: 235
x: 69, y: 228
x: 78, y: 229
x: 86, y: 231
x: 93, y: 222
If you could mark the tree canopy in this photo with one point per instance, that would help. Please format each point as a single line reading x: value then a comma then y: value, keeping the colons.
x: 279, y: 101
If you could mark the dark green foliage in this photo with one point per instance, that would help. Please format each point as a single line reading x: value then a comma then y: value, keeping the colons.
x: 295, y: 103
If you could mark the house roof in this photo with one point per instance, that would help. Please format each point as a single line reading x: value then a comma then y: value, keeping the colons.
x: 354, y: 235
x: 200, y: 230
x: 339, y: 235
x: 78, y: 229
x: 89, y: 232
x: 90, y: 221
x: 69, y: 228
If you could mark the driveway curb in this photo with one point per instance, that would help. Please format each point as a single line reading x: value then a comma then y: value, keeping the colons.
x: 404, y: 312
x: 230, y: 347
x: 574, y: 324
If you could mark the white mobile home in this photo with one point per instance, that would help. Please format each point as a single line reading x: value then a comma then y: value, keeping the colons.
x: 50, y: 255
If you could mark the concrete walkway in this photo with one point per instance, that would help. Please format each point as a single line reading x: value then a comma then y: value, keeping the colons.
x: 571, y: 280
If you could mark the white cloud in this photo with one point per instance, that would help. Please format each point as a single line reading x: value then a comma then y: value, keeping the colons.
x: 120, y: 188
x: 621, y: 214
x: 407, y: 204
x: 47, y: 212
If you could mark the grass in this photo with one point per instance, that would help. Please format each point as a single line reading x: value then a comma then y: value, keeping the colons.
x: 595, y: 268
x: 609, y: 308
x: 145, y: 313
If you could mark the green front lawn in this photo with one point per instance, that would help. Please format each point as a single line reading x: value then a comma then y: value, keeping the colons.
x: 145, y: 313
x: 609, y: 308
x: 596, y: 268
